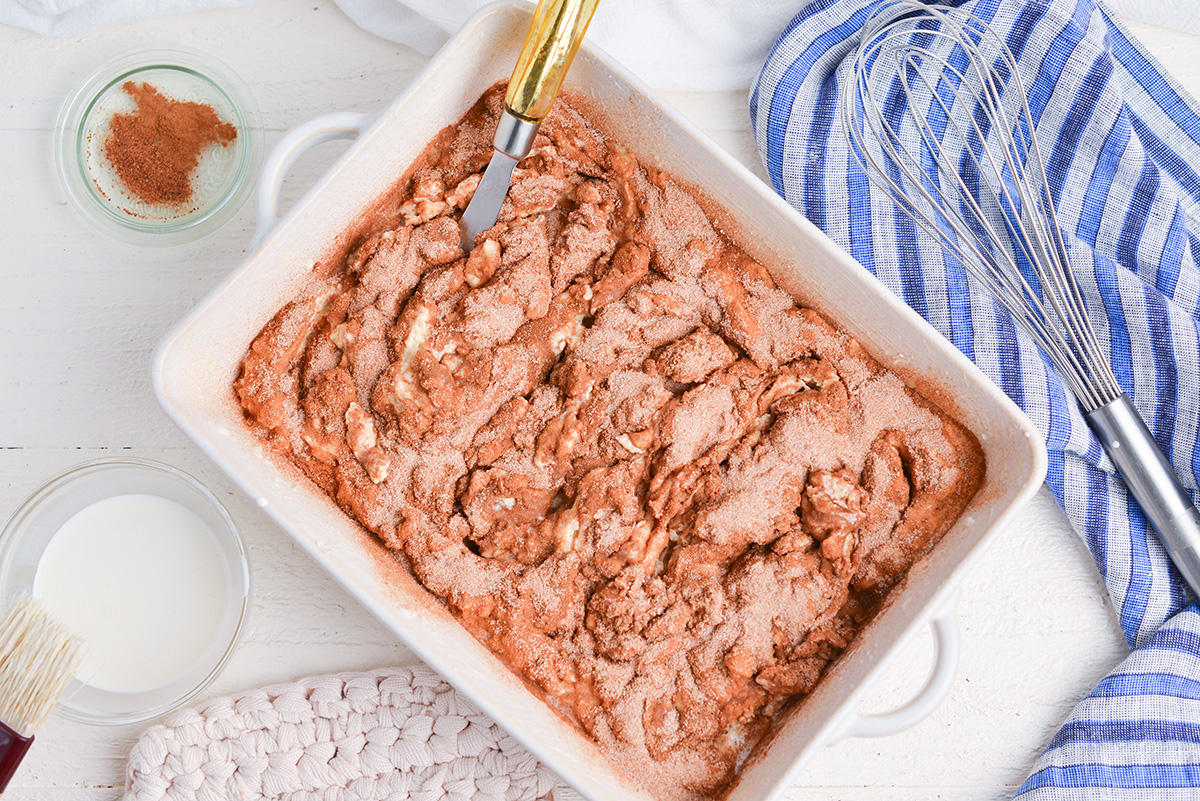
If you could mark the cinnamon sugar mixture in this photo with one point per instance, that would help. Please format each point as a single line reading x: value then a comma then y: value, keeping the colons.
x: 155, y: 149
x: 634, y: 468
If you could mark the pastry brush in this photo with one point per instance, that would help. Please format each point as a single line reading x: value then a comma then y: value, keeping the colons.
x: 37, y: 659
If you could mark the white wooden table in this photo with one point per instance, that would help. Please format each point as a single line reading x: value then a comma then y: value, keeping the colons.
x: 80, y: 314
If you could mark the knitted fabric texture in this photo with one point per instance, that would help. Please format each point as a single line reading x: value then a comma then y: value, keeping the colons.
x: 384, y: 735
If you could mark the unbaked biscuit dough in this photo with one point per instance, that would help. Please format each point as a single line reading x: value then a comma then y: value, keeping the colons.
x: 630, y: 464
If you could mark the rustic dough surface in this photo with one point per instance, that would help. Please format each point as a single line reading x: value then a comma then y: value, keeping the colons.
x: 631, y: 465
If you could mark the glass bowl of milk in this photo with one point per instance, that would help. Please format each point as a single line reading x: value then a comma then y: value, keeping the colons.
x: 141, y: 561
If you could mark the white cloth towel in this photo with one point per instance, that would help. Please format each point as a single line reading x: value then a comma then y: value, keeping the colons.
x: 76, y: 17
x: 693, y: 45
x: 689, y: 45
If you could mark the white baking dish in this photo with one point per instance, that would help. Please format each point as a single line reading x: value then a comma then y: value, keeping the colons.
x: 196, y: 364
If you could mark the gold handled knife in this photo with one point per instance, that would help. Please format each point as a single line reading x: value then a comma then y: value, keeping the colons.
x: 554, y: 36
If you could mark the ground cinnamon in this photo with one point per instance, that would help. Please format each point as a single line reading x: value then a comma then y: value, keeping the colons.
x: 155, y: 148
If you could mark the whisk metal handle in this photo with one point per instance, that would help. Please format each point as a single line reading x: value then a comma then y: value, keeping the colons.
x: 1153, y: 483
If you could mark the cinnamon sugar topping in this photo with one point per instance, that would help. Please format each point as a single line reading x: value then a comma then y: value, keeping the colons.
x: 156, y: 148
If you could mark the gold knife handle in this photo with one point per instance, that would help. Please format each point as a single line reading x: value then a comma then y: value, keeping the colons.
x: 554, y: 36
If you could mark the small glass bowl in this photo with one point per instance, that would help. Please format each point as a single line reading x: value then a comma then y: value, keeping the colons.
x: 221, y: 181
x: 40, y: 516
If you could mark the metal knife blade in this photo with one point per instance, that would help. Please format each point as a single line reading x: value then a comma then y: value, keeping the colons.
x: 484, y: 208
x: 512, y: 142
x: 554, y: 35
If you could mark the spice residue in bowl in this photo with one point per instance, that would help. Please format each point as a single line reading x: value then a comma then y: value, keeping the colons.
x: 159, y: 147
x: 155, y: 149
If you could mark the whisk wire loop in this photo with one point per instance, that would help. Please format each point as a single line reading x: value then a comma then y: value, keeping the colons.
x: 1037, y: 235
x: 941, y: 98
x: 967, y: 244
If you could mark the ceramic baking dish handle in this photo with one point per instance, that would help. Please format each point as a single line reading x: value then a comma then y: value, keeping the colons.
x: 326, y: 128
x: 945, y: 665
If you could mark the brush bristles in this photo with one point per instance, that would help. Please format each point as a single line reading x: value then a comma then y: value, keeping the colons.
x: 37, y: 659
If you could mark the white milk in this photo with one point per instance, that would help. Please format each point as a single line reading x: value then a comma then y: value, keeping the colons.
x: 142, y: 580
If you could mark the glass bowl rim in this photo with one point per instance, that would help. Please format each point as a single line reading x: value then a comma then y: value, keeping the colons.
x: 237, y: 558
x: 69, y: 131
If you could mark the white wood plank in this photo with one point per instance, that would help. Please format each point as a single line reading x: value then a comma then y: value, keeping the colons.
x: 79, y: 314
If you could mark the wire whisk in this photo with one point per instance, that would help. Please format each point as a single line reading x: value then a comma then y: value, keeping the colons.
x: 937, y: 116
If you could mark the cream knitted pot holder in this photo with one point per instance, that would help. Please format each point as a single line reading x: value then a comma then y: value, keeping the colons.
x: 386, y: 735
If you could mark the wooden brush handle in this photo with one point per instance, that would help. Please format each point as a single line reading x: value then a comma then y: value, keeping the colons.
x: 12, y: 750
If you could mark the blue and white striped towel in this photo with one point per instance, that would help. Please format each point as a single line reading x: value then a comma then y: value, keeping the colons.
x: 1124, y: 144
